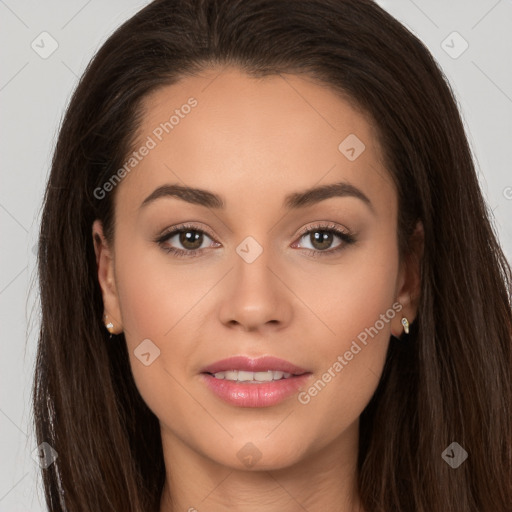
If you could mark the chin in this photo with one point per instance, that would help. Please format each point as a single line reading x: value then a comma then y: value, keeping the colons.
x: 259, y: 453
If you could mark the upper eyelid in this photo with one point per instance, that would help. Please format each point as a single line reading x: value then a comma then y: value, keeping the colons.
x: 173, y: 231
x: 325, y: 226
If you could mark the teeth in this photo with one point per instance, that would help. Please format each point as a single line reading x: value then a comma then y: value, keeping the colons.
x: 243, y: 376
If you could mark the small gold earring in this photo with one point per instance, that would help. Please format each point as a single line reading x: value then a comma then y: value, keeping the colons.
x: 108, y: 325
x: 405, y: 323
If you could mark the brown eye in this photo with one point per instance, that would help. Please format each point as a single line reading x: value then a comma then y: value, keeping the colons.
x: 184, y: 241
x: 321, y: 239
x: 190, y: 239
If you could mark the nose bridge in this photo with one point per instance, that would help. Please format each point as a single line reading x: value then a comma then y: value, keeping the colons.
x: 256, y: 296
x: 252, y: 276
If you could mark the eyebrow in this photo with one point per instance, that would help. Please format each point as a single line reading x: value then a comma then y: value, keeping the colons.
x: 294, y: 200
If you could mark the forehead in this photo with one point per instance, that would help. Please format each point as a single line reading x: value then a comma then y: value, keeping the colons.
x: 223, y: 130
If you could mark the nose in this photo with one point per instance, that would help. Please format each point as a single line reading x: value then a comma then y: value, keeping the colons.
x: 256, y: 297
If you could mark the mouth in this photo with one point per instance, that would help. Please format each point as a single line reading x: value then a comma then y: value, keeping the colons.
x: 245, y: 382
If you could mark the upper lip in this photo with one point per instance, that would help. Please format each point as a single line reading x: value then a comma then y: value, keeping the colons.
x: 249, y: 364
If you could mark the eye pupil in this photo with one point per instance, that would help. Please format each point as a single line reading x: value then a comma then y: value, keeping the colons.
x: 191, y: 237
x: 323, y: 238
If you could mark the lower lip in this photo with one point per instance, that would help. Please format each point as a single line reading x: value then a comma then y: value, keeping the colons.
x: 247, y: 394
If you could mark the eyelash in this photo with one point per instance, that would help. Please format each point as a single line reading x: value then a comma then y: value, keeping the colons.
x: 191, y: 253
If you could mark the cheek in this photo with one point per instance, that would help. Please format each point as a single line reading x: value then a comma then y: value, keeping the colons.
x: 355, y: 305
x: 154, y: 294
x: 161, y: 301
x: 153, y: 304
x: 350, y: 296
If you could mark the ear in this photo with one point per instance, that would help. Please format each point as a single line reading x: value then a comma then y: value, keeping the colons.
x: 409, y: 281
x: 106, y: 277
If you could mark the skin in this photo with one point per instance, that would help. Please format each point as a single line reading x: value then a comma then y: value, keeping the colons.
x: 253, y: 141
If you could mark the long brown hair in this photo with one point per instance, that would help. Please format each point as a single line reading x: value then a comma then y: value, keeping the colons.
x: 450, y: 380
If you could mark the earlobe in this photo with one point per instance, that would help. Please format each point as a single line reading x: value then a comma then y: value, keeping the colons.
x: 106, y: 278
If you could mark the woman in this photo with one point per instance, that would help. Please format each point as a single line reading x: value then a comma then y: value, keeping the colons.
x: 268, y: 277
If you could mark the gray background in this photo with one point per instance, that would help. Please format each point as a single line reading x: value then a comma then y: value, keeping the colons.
x: 34, y: 92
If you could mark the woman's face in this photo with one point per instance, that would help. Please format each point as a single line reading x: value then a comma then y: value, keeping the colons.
x: 269, y: 276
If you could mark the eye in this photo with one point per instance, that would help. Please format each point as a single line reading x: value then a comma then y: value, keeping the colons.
x: 192, y: 240
x: 321, y: 238
x: 190, y: 237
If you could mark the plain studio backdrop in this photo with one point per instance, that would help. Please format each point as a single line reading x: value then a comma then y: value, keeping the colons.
x: 45, y: 46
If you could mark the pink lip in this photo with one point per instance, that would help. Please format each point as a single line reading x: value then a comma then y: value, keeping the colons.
x: 261, y: 364
x: 246, y: 394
